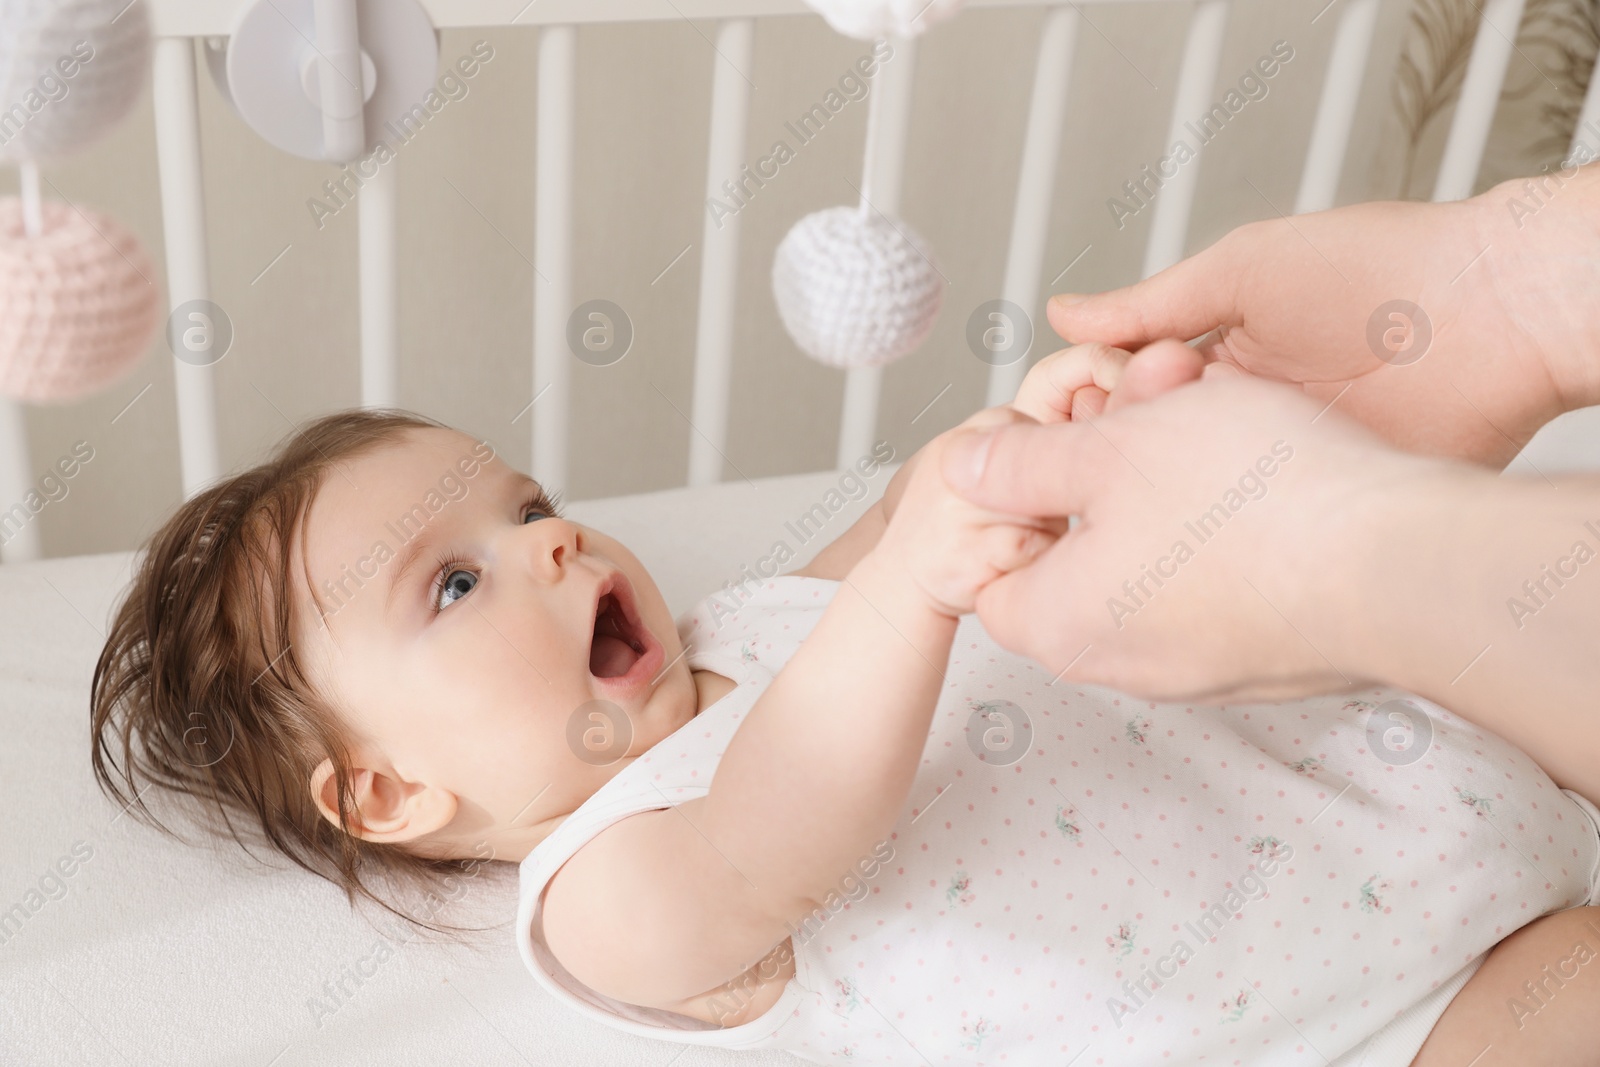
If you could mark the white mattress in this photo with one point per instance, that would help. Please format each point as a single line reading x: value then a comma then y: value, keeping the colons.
x: 161, y: 952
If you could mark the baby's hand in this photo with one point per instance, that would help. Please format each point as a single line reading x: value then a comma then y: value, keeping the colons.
x: 949, y: 547
x: 1072, y: 383
x: 977, y: 545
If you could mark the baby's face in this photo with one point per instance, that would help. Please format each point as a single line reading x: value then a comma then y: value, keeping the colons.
x: 468, y: 657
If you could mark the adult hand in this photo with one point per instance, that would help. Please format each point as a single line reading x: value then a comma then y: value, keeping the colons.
x: 1505, y: 283
x: 1073, y: 383
x: 1236, y: 541
x: 1220, y: 522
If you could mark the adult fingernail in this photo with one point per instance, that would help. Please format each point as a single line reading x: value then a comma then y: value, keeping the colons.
x: 965, y: 458
x: 1064, y: 300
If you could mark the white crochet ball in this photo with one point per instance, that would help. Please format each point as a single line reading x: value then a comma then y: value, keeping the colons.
x: 872, y: 19
x: 68, y: 73
x: 855, y: 290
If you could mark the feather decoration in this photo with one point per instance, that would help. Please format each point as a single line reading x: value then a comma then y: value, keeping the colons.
x: 1559, y: 41
x: 1565, y: 35
x: 1430, y: 70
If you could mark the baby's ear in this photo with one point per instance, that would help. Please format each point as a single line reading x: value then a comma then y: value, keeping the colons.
x: 385, y: 808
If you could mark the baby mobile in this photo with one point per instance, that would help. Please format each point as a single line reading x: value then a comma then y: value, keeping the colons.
x: 854, y: 286
x: 78, y: 299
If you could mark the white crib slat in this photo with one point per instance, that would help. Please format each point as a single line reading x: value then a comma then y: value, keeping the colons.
x: 1036, y: 180
x: 888, y: 120
x: 1197, y: 79
x: 1336, y: 111
x: 15, y: 481
x: 552, y: 253
x: 19, y: 534
x: 377, y: 215
x: 32, y: 202
x: 1480, y: 92
x: 719, y: 262
x: 858, y: 415
x: 183, y: 219
x: 1587, y: 134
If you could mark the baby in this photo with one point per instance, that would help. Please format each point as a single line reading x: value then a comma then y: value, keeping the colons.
x: 838, y: 820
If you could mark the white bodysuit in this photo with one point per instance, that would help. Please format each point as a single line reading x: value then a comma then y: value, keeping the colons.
x: 1082, y: 877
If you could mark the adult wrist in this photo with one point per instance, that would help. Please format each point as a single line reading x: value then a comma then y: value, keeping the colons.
x: 1410, y: 557
x: 1541, y: 236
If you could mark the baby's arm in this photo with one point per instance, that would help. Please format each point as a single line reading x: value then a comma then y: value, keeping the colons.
x: 1559, y: 1021
x: 668, y: 904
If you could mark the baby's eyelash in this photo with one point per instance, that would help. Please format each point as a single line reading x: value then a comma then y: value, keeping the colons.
x: 548, y: 502
x: 443, y: 565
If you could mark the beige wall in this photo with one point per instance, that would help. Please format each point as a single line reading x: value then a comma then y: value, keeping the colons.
x: 467, y: 283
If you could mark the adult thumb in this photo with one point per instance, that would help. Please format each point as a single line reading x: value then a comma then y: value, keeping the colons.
x: 1043, y: 471
x: 1154, y: 370
x: 1186, y: 300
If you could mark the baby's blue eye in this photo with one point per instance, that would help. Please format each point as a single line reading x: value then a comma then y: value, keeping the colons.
x: 459, y: 581
x: 456, y: 581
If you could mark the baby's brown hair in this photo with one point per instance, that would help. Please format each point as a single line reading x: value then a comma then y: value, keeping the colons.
x: 199, y: 688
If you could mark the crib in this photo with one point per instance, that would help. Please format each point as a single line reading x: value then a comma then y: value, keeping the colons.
x: 157, y: 952
x: 190, y: 35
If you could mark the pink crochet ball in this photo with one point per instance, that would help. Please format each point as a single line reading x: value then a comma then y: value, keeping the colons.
x: 78, y: 303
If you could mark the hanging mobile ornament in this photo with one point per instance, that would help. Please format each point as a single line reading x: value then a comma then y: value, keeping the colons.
x: 869, y: 19
x: 856, y: 286
x: 78, y: 303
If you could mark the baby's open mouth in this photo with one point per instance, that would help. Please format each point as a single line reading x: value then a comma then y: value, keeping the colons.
x: 617, y: 643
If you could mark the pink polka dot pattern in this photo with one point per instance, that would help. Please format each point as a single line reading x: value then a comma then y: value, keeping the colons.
x: 1148, y: 884
x: 78, y: 304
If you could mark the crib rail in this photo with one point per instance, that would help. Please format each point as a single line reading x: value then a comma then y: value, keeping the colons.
x: 201, y: 18
x: 178, y: 23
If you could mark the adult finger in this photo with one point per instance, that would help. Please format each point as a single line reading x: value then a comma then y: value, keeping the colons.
x: 1006, y: 547
x: 1186, y: 300
x: 1088, y: 402
x: 1049, y: 470
x: 1223, y: 370
x: 1022, y: 611
x: 1214, y: 345
x: 1001, y: 415
x: 1154, y: 370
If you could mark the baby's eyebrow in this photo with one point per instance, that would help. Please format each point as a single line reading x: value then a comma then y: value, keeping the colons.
x: 511, y: 480
x: 412, y: 554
